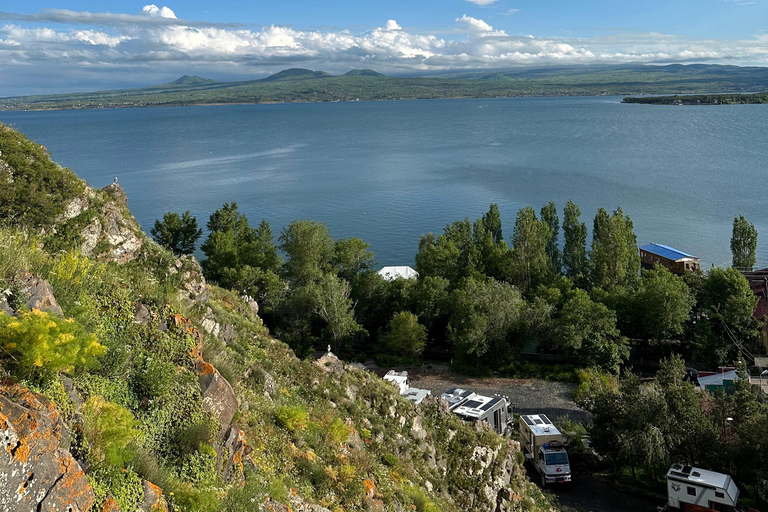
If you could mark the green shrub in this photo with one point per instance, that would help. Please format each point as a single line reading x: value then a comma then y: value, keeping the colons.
x: 153, y: 378
x: 199, y: 467
x: 337, y: 432
x: 292, y: 417
x: 114, y: 390
x: 37, y: 344
x: 108, y: 429
x: 123, y: 485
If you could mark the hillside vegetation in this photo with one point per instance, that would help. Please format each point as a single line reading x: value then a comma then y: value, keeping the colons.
x: 303, y: 85
x: 129, y: 383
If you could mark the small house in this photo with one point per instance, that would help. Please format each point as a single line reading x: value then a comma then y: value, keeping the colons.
x: 677, y: 262
x: 392, y: 273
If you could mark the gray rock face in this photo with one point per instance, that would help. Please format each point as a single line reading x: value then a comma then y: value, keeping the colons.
x: 39, y: 293
x: 35, y: 473
x: 218, y: 396
x: 141, y: 314
x: 5, y: 307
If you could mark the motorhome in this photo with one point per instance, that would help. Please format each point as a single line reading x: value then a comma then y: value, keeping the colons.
x: 400, y: 379
x: 691, y: 489
x: 543, y: 446
x: 470, y: 406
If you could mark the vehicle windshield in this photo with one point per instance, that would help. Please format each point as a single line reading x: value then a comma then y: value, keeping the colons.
x: 556, y: 458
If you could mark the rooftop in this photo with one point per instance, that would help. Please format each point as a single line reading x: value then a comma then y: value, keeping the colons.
x: 476, y: 406
x: 457, y: 396
x: 540, y: 425
x: 666, y: 251
x: 701, y: 476
x: 416, y: 395
x: 403, y: 272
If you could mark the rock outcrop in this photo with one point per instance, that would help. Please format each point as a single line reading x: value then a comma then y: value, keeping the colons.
x: 38, y: 293
x: 36, y: 474
x: 153, y: 498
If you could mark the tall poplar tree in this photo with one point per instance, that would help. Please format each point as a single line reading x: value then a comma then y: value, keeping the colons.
x: 549, y: 215
x: 575, y: 243
x: 529, y: 244
x: 615, y: 257
x: 743, y: 243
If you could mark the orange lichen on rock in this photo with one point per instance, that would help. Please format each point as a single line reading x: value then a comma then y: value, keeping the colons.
x: 370, y: 488
x: 110, y: 505
x: 37, y: 473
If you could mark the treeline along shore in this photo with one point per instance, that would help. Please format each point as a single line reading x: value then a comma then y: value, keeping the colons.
x: 701, y: 99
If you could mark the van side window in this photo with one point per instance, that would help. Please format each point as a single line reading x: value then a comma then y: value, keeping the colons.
x: 691, y: 491
x: 719, y: 494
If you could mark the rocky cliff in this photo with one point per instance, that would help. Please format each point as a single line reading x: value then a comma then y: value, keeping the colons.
x: 177, y: 397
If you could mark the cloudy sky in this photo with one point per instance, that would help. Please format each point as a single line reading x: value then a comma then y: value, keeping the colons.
x: 79, y: 46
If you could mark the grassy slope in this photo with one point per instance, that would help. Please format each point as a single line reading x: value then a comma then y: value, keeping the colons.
x: 330, y: 437
x: 308, y: 86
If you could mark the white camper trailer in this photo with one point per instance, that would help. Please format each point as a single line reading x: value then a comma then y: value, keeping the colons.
x: 496, y: 411
x: 693, y: 489
x: 400, y: 379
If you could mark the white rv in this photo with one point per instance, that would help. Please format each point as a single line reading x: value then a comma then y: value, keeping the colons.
x: 400, y: 379
x: 543, y: 446
x: 694, y: 489
x: 496, y: 411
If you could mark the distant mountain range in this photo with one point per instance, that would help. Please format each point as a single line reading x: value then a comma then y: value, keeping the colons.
x: 304, y: 85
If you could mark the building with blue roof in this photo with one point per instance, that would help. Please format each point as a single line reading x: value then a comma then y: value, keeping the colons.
x: 677, y: 262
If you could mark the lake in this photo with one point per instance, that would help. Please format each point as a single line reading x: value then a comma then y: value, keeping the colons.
x: 388, y: 172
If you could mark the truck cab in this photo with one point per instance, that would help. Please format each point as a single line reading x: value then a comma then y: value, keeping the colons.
x: 553, y: 464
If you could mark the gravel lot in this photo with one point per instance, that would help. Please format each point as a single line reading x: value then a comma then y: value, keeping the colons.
x: 529, y: 396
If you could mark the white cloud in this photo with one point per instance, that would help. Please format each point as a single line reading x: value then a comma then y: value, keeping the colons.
x: 482, y: 2
x: 392, y: 25
x: 159, y: 12
x: 102, y: 46
x: 509, y: 12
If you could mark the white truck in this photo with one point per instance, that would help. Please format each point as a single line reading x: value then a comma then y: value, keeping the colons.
x: 543, y: 447
x: 691, y: 489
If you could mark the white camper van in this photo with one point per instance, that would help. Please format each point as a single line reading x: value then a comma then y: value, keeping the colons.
x: 543, y: 446
x: 697, y: 490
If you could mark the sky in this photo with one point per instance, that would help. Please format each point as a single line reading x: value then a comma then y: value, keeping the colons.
x: 85, y: 45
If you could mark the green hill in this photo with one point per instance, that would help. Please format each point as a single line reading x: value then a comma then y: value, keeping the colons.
x: 295, y: 74
x: 303, y: 85
x: 129, y: 383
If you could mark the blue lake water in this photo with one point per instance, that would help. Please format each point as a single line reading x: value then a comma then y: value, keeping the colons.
x: 390, y: 171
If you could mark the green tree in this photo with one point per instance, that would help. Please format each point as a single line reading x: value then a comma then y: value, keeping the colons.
x: 549, y: 215
x: 743, y: 243
x: 575, y: 243
x: 241, y: 257
x: 310, y: 250
x: 483, y: 315
x: 529, y: 246
x: 589, y: 330
x: 406, y: 337
x: 615, y: 257
x: 351, y: 257
x: 38, y: 345
x: 328, y: 298
x: 492, y: 222
x: 728, y: 303
x: 179, y: 234
x: 664, y: 303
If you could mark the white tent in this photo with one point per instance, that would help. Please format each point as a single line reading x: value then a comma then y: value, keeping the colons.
x: 392, y: 273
